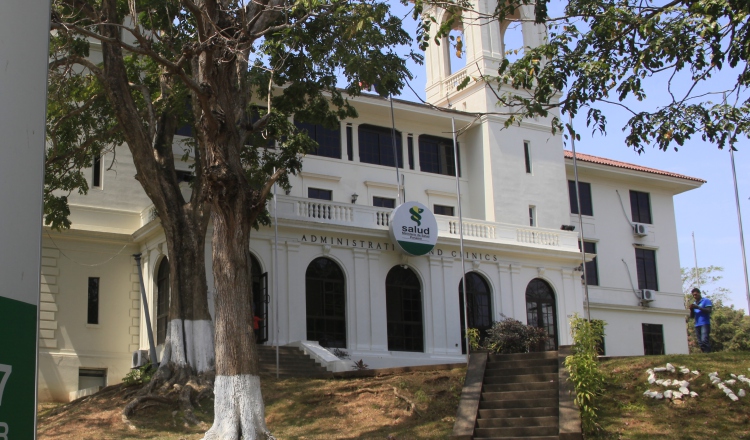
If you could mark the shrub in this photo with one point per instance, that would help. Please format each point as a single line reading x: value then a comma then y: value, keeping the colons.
x: 139, y: 375
x: 583, y: 368
x: 474, y: 338
x: 513, y: 336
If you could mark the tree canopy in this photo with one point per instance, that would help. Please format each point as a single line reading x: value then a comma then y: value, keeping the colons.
x: 601, y: 53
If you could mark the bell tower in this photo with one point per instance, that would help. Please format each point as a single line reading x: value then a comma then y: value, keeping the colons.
x: 486, y: 42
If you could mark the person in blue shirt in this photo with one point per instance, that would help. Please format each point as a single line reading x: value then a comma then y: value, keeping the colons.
x: 701, y: 311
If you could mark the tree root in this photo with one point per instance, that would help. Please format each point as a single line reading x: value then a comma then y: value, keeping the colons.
x: 412, y: 406
x: 131, y: 407
x: 357, y: 392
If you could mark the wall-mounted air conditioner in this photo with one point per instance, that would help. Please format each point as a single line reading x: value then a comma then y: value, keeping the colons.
x: 647, y: 295
x: 140, y: 358
x: 640, y: 230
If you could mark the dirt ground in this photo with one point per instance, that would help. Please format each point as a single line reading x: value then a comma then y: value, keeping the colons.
x: 415, y: 405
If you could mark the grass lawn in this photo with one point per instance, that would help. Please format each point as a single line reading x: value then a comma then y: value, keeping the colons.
x: 362, y: 408
x: 627, y: 414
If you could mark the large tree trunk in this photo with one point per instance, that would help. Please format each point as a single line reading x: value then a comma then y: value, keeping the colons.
x: 238, y: 407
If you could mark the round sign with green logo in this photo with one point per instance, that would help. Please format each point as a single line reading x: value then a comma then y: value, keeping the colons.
x: 414, y: 228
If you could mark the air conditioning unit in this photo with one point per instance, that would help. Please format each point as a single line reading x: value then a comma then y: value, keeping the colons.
x: 647, y: 295
x: 640, y: 230
x: 140, y: 358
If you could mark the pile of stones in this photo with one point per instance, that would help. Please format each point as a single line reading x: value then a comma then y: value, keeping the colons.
x: 682, y: 387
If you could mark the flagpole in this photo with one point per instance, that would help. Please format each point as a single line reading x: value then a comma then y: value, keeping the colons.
x: 580, y: 223
x: 739, y: 221
x: 395, y: 150
x: 461, y: 241
x: 276, y: 275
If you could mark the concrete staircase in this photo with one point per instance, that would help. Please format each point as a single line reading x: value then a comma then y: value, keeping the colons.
x: 292, y: 363
x: 519, y: 397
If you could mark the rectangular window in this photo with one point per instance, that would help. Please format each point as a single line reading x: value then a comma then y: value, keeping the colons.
x: 383, y: 202
x: 532, y: 215
x: 91, y: 378
x: 653, y: 339
x: 592, y: 272
x: 349, y: 142
x: 640, y: 207
x: 317, y: 193
x: 329, y: 141
x: 93, y: 303
x: 587, y: 207
x: 444, y: 210
x: 376, y: 146
x: 645, y: 263
x: 410, y: 150
x: 96, y: 179
x: 527, y: 156
x: 436, y: 155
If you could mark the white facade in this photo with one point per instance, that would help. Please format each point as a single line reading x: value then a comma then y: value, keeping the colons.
x: 501, y: 196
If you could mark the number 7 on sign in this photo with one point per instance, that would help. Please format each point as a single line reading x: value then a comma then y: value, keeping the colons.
x: 4, y: 369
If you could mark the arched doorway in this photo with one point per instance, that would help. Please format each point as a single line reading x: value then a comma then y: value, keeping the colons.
x: 403, y: 298
x: 479, y: 305
x: 541, y: 311
x: 326, y: 303
x: 260, y: 300
x: 162, y: 300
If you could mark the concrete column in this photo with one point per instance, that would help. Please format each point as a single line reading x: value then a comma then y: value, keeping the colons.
x: 359, y: 295
x: 293, y: 310
x: 518, y: 292
x: 503, y: 297
x: 378, y: 315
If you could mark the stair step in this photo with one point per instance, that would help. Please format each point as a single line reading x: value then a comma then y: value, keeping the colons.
x: 518, y: 422
x: 524, y: 363
x: 516, y: 432
x: 517, y: 395
x: 543, y: 437
x: 523, y: 356
x: 521, y: 378
x: 521, y: 386
x: 518, y: 412
x: 518, y: 403
x: 520, y: 371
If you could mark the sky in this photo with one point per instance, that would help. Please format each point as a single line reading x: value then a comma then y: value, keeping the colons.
x: 709, y: 212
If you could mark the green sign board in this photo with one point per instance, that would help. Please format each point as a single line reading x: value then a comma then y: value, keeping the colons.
x: 413, y: 228
x: 17, y: 369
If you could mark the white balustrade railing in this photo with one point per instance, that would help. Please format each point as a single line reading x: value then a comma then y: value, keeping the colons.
x: 538, y: 237
x: 451, y: 83
x: 383, y: 218
x: 325, y: 211
x: 473, y: 229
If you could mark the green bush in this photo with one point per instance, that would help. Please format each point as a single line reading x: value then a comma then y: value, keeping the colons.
x: 512, y: 336
x: 139, y: 375
x: 583, y: 368
x: 474, y: 338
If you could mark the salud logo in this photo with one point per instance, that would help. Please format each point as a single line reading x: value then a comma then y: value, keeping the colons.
x: 413, y: 228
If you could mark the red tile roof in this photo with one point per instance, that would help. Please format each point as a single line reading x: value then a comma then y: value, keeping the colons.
x: 616, y: 163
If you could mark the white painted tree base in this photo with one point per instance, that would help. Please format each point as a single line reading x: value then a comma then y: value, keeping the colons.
x: 238, y: 409
x: 199, y: 341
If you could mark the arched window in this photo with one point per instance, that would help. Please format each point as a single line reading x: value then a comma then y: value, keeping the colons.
x: 162, y: 301
x: 260, y: 300
x: 326, y: 303
x: 511, y: 36
x: 403, y: 297
x: 479, y: 303
x: 541, y: 311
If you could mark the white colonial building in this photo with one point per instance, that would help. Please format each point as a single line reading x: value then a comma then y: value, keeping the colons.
x: 341, y: 281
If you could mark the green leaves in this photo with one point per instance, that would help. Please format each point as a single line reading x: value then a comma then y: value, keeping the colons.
x: 583, y: 368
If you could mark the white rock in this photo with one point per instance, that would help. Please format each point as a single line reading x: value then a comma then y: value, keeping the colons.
x: 650, y: 371
x: 652, y: 379
x: 684, y: 370
x: 693, y: 394
x: 677, y: 395
x: 684, y: 390
x: 659, y: 396
x: 661, y: 369
x: 685, y: 384
x: 728, y: 392
x: 733, y: 397
x: 741, y: 393
x: 660, y: 382
x: 668, y: 394
x: 734, y: 376
x: 715, y: 381
x: 730, y: 382
x: 670, y: 368
x: 668, y: 382
x: 695, y: 372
